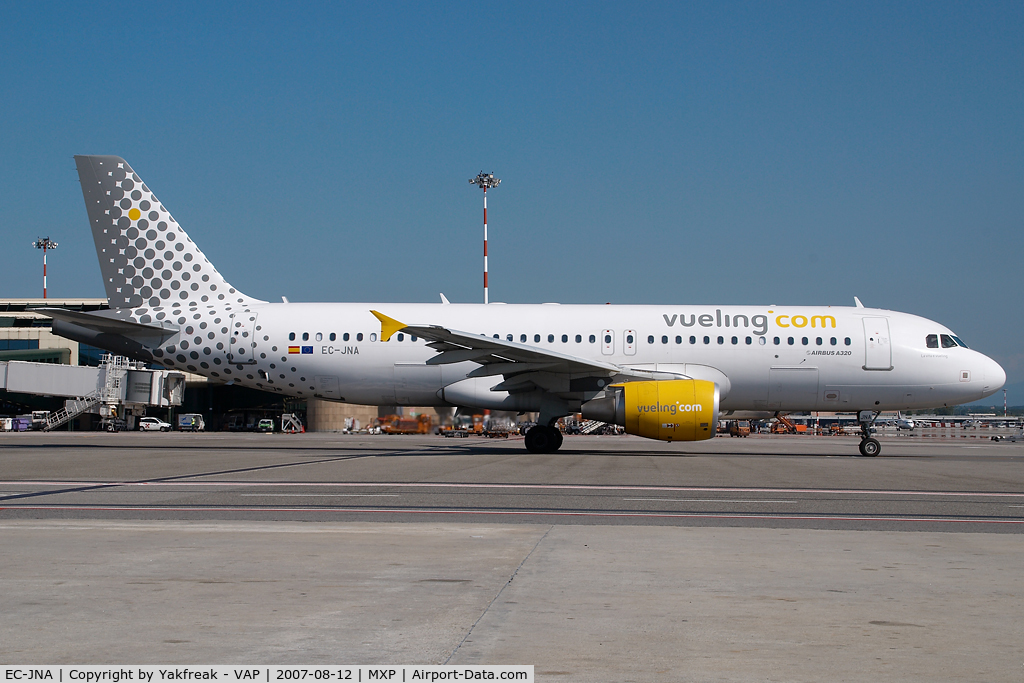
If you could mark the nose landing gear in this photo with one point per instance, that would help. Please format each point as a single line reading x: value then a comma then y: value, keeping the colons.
x: 869, y: 446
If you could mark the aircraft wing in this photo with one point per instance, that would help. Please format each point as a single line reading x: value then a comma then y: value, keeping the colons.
x: 524, y: 367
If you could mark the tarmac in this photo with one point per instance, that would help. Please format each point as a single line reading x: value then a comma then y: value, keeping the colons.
x: 175, y: 549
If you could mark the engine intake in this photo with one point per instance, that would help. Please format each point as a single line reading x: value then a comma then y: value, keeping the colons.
x: 668, y: 410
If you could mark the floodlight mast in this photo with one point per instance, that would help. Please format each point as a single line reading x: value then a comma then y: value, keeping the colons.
x: 485, y: 180
x: 44, y: 243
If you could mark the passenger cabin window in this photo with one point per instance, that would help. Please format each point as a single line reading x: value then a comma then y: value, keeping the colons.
x: 707, y: 340
x: 664, y: 339
x: 359, y: 336
x: 679, y: 340
x: 291, y: 336
x: 522, y: 338
x: 508, y: 337
x: 579, y: 338
x: 536, y: 339
x: 833, y: 341
x: 345, y: 337
x: 401, y: 337
x: 305, y: 336
x: 693, y: 340
x: 551, y: 339
x: 319, y: 336
x: 593, y: 339
x: 932, y: 341
x: 333, y: 337
x: 777, y: 341
x: 650, y: 339
x: 847, y: 341
x: 607, y: 339
x: 947, y: 341
x: 565, y: 338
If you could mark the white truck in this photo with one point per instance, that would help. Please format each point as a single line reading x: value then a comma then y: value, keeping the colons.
x: 191, y: 422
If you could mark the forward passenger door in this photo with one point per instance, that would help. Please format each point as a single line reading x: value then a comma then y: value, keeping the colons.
x: 877, y: 346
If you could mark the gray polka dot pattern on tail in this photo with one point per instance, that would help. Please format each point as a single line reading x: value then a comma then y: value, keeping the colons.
x: 145, y: 257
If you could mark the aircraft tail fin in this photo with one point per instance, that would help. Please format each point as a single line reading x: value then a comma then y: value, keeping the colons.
x: 145, y: 257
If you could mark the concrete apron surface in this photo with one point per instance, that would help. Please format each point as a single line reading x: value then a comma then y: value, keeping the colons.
x: 581, y: 603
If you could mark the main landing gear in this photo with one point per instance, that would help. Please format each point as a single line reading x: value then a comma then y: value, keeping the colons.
x: 542, y: 439
x: 869, y: 446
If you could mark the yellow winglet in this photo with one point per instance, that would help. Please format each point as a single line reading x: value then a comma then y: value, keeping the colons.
x: 388, y: 326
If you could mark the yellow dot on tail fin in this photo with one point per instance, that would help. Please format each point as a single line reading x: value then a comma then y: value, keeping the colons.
x: 134, y: 214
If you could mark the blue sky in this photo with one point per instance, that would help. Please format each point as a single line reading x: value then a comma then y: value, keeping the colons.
x: 660, y: 153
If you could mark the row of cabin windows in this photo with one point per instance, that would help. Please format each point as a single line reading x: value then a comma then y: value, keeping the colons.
x: 949, y: 341
x: 805, y: 341
x: 358, y: 336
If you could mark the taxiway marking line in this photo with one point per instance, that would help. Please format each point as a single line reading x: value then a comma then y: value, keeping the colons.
x: 715, y: 500
x: 526, y: 513
x: 538, y: 487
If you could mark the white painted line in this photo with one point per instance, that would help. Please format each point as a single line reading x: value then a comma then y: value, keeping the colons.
x: 319, y: 495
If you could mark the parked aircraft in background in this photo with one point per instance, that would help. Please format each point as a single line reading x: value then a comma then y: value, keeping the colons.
x: 664, y: 371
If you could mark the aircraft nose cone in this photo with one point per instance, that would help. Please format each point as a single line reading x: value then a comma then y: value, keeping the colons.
x: 995, y: 376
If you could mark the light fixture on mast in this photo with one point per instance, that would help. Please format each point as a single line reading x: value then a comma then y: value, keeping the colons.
x: 44, y: 243
x: 485, y: 181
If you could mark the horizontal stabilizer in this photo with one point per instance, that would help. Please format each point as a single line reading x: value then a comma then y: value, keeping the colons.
x: 147, y: 332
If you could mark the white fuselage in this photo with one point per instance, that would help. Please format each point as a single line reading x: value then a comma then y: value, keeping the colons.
x: 764, y: 358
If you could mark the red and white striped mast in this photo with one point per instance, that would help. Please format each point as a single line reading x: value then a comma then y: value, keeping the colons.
x: 485, y: 180
x: 44, y: 243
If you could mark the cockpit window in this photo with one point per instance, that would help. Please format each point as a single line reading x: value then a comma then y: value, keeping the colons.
x: 947, y: 342
x: 960, y: 341
x: 932, y: 340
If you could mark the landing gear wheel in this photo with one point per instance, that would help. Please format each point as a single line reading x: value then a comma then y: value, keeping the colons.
x: 870, y: 448
x: 541, y: 439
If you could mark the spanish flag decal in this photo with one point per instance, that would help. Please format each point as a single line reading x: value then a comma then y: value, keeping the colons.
x: 293, y: 349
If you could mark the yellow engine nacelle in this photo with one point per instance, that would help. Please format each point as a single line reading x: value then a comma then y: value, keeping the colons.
x: 669, y: 410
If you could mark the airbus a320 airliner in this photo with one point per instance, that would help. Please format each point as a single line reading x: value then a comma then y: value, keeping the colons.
x: 663, y: 372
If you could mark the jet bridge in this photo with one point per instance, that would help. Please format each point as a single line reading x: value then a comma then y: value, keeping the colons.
x: 118, y: 388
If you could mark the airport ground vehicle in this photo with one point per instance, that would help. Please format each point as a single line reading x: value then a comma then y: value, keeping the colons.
x: 153, y: 424
x: 265, y: 425
x: 191, y: 422
x: 1014, y: 438
x: 738, y: 428
x: 662, y: 372
x: 396, y: 424
x: 114, y: 424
